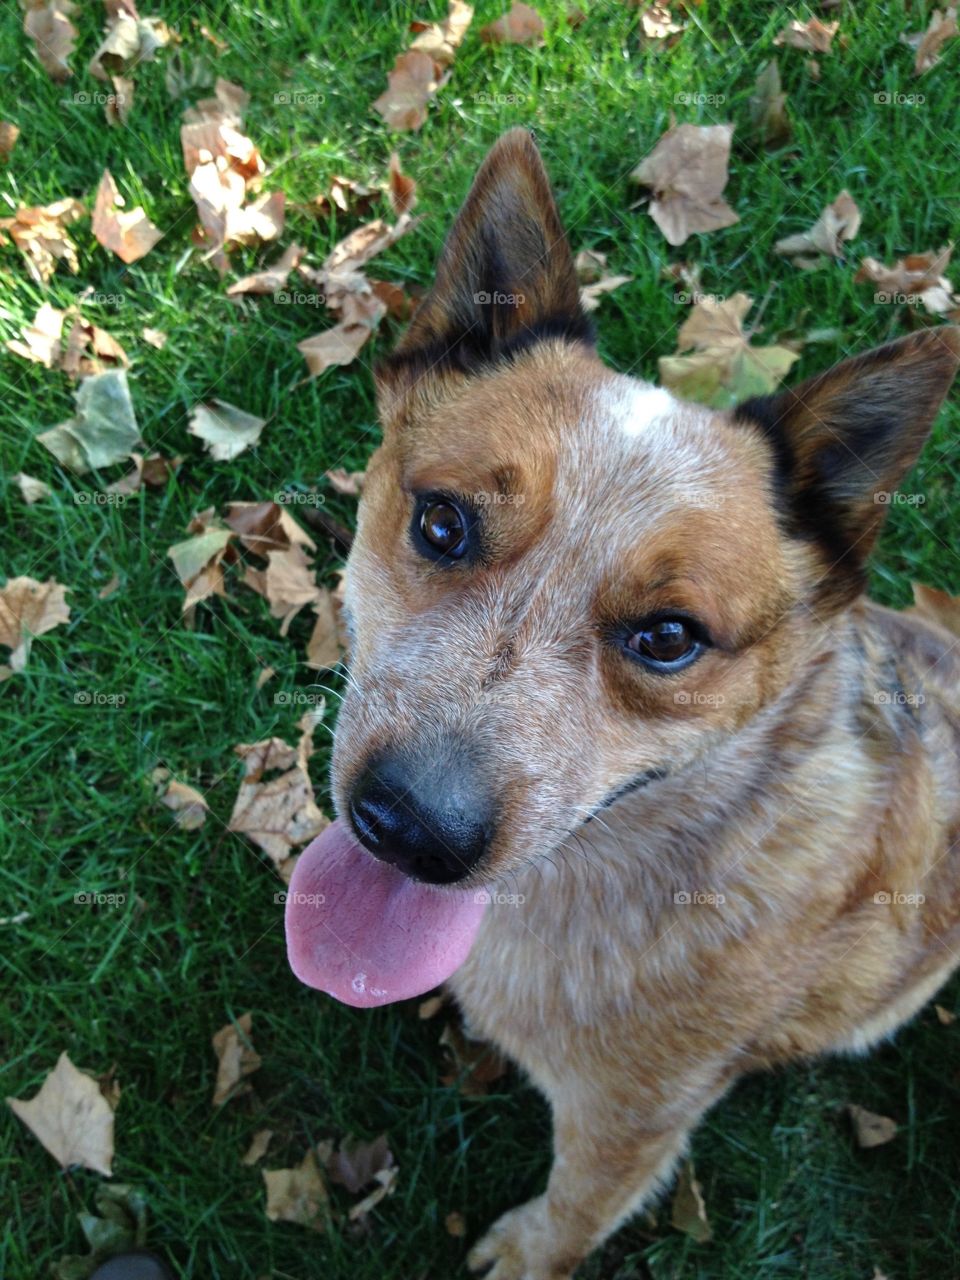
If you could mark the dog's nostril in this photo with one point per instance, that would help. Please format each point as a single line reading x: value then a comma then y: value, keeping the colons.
x: 367, y: 820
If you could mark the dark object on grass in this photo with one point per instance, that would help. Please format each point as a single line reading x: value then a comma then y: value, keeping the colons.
x: 133, y: 1266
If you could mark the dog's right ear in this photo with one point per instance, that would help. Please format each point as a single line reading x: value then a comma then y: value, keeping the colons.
x: 505, y: 277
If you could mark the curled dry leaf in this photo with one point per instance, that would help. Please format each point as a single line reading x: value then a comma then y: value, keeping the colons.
x: 9, y: 133
x: 152, y: 470
x: 39, y: 232
x: 688, y: 1213
x: 870, y: 1129
x: 919, y: 277
x: 837, y: 224
x: 47, y: 23
x: 258, y: 1146
x: 87, y: 348
x: 401, y: 188
x: 590, y: 294
x: 236, y: 1059
x: 520, y: 25
x: 686, y: 172
x: 198, y: 562
x: 31, y: 489
x: 943, y: 27
x: 412, y: 83
x: 103, y: 429
x: 128, y: 234
x: 226, y: 430
x: 187, y: 805
x: 42, y: 339
x: 271, y: 279
x: 265, y: 526
x: 275, y: 806
x: 723, y: 368
x: 442, y: 39
x: 29, y: 608
x: 323, y: 647
x: 474, y: 1064
x: 812, y: 35
x: 71, y: 1118
x: 768, y: 108
x: 357, y: 1163
x: 298, y: 1195
x: 129, y: 41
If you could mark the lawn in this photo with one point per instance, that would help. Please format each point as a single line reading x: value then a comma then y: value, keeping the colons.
x: 198, y: 940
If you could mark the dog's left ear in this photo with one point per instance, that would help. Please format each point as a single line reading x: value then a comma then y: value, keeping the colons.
x: 505, y: 275
x: 843, y: 440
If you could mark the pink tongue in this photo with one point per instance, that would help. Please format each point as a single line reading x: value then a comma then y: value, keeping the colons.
x: 364, y: 933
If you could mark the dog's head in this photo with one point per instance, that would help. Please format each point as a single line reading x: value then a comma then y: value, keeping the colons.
x: 567, y: 583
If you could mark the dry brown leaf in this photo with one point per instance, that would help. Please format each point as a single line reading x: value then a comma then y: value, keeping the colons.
x: 347, y: 195
x: 188, y: 806
x: 265, y: 526
x: 128, y: 234
x: 226, y: 430
x: 474, y: 1064
x: 339, y: 345
x: 47, y: 23
x: 42, y: 338
x: 109, y: 588
x: 289, y: 584
x: 152, y: 470
x: 520, y: 25
x: 590, y: 265
x: 129, y: 41
x: 688, y: 1213
x: 812, y: 35
x: 686, y: 172
x: 258, y: 1146
x: 430, y: 1007
x: 870, y: 1129
x: 9, y: 133
x: 31, y: 489
x: 103, y: 429
x: 279, y: 812
x: 348, y: 483
x: 943, y: 27
x: 28, y: 609
x: 456, y: 1224
x: 401, y: 188
x: 357, y: 1163
x: 71, y: 1118
x: 199, y: 564
x: 236, y: 1059
x: 323, y: 647
x: 363, y: 243
x: 442, y: 39
x: 298, y: 1194
x: 156, y: 337
x: 768, y: 107
x: 944, y: 1016
x: 87, y: 350
x: 265, y: 676
x: 919, y: 277
x: 271, y: 279
x: 838, y: 223
x: 39, y: 232
x: 590, y: 294
x: 658, y: 24
x: 414, y: 80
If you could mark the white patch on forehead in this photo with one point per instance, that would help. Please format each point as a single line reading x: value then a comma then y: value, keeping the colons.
x: 638, y: 408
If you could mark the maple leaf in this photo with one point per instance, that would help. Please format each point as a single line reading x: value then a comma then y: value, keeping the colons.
x: 837, y: 224
x: 39, y: 233
x: 42, y: 342
x: 129, y: 234
x: 71, y: 1118
x: 919, y: 277
x: 298, y: 1195
x: 357, y: 1163
x: 42, y: 338
x: 103, y: 429
x: 688, y: 1212
x: 768, y: 107
x: 686, y: 172
x: 412, y: 83
x: 724, y: 368
x: 236, y: 1059
x: 226, y: 430
x: 29, y: 608
x: 129, y: 41
x: 442, y: 39
x: 812, y: 35
x: 47, y: 23
x: 519, y: 25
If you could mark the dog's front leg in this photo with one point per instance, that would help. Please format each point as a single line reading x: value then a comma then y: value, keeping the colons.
x: 607, y: 1162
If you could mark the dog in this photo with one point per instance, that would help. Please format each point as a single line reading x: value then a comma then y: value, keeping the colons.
x: 627, y: 758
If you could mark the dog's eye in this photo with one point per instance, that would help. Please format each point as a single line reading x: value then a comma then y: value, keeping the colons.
x: 443, y: 527
x: 665, y: 643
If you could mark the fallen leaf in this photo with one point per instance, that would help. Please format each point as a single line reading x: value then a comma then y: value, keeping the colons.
x: 658, y: 24
x: 198, y: 562
x: 89, y: 349
x: 724, y: 368
x: 289, y: 584
x: 9, y: 133
x: 278, y: 813
x: 456, y: 1224
x: 348, y: 483
x: 386, y: 1181
x: 103, y: 429
x: 347, y: 195
x: 258, y: 1146
x: 813, y: 35
x: 71, y: 1118
x: 265, y: 526
x: 47, y: 23
x: 402, y: 188
x: 236, y: 1059
x: 339, y: 345
x: 323, y: 647
x: 688, y: 1213
x: 41, y: 340
x: 919, y: 277
x: 298, y: 1194
x: 31, y: 489
x: 943, y: 27
x: 39, y: 232
x: 430, y: 1007
x: 837, y: 224
x: 129, y: 41
x: 686, y: 172
x: 156, y: 337
x: 152, y: 470
x: 130, y: 235
x: 768, y: 108
x: 226, y: 430
x: 520, y: 25
x: 357, y: 1163
x: 944, y: 1016
x: 442, y: 39
x: 870, y: 1129
x: 411, y: 84
x: 118, y: 1226
x: 188, y: 806
x: 109, y: 588
x: 265, y: 676
x: 473, y: 1064
x: 271, y: 279
x: 590, y: 294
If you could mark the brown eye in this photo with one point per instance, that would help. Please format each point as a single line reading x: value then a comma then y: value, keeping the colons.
x: 444, y: 529
x: 665, y: 642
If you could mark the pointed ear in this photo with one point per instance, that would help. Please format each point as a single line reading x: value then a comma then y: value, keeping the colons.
x: 505, y: 276
x: 844, y: 439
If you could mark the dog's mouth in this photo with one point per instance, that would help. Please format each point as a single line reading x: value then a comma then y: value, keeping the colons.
x: 364, y: 933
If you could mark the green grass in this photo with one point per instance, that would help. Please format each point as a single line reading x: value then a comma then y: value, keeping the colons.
x: 199, y: 938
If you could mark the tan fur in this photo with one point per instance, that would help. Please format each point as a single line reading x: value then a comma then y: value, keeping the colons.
x: 788, y: 883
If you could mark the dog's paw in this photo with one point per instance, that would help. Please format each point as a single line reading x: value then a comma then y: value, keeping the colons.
x: 522, y: 1245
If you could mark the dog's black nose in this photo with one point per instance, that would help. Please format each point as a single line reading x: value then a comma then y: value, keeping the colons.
x: 431, y: 822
